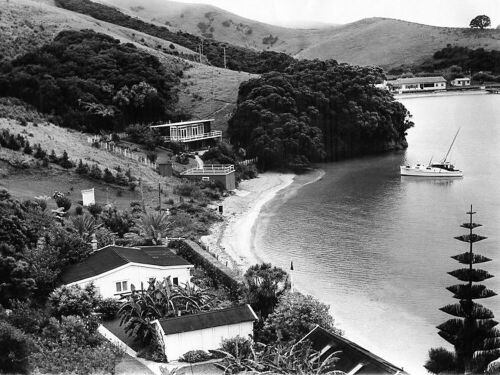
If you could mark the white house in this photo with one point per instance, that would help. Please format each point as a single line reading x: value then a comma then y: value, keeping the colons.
x: 203, y: 331
x: 117, y: 270
x: 461, y: 82
x: 417, y: 84
x: 193, y: 134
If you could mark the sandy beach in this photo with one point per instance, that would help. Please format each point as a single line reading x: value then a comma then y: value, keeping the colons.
x: 231, y: 240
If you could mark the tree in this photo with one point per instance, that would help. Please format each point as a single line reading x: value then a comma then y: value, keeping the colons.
x: 65, y: 162
x: 480, y: 22
x: 15, y: 347
x: 295, y: 315
x: 153, y: 226
x: 471, y: 331
x: 264, y: 284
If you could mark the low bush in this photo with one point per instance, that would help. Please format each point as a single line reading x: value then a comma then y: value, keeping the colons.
x: 194, y: 356
x: 64, y: 202
x: 238, y: 346
x: 95, y: 209
x: 108, y: 308
x: 15, y: 348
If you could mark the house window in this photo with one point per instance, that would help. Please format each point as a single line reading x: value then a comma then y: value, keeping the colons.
x: 122, y: 286
x: 175, y: 281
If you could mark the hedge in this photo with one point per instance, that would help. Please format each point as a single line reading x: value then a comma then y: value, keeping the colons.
x: 220, y: 274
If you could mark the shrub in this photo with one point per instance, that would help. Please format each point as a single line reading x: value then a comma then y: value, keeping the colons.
x: 95, y: 209
x: 238, y: 346
x: 73, y: 300
x: 194, y: 356
x: 27, y: 148
x: 108, y: 176
x: 79, y: 210
x: 15, y: 347
x: 108, y: 308
x: 64, y: 202
x: 82, y: 168
x: 65, y: 162
x: 187, y: 189
x: 28, y: 319
x: 95, y: 172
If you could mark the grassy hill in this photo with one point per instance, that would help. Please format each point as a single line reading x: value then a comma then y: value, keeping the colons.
x: 389, y: 42
x: 374, y: 41
x: 216, y: 23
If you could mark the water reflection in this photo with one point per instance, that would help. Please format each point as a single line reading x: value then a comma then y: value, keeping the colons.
x: 442, y: 181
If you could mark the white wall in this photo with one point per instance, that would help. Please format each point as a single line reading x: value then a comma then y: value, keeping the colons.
x: 134, y: 274
x: 178, y: 344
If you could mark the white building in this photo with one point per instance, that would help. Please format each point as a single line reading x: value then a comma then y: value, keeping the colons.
x: 191, y: 133
x: 416, y: 84
x: 461, y: 82
x: 117, y: 270
x: 203, y: 331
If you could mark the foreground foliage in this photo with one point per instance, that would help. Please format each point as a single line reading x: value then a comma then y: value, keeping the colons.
x: 316, y: 109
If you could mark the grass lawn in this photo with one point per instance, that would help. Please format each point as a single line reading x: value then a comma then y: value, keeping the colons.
x: 118, y: 331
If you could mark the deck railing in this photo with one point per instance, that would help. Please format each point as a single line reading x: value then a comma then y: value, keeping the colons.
x: 210, y: 169
x: 197, y: 137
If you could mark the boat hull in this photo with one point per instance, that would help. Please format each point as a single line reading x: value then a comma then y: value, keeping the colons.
x: 433, y: 172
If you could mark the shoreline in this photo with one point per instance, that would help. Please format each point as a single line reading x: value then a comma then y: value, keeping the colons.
x: 440, y: 93
x: 232, y: 240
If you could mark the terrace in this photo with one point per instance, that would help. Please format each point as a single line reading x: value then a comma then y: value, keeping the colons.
x: 210, y: 169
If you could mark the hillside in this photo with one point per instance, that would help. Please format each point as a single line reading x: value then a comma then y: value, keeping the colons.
x: 389, y: 42
x: 374, y: 41
x: 28, y: 24
x: 216, y: 23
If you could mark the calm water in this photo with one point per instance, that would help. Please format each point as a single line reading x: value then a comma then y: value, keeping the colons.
x: 376, y: 246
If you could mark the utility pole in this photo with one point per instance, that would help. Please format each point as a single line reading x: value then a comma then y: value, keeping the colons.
x: 159, y: 195
x: 224, y: 57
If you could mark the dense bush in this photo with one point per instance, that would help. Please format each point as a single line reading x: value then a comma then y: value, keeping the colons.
x: 237, y: 346
x: 73, y: 300
x: 108, y: 308
x: 238, y: 58
x: 64, y: 202
x: 91, y: 82
x: 473, y: 60
x: 15, y: 348
x: 316, y: 108
x: 194, y: 356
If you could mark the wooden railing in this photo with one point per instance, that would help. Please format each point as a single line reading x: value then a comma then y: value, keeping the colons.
x: 189, y: 138
x: 210, y: 169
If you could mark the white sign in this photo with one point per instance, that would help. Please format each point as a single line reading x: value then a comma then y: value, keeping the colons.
x: 88, y: 197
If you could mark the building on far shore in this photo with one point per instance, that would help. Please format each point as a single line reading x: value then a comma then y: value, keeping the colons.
x: 117, y: 270
x: 193, y: 134
x: 417, y: 84
x: 224, y: 173
x: 203, y: 331
x: 353, y: 359
x: 465, y: 81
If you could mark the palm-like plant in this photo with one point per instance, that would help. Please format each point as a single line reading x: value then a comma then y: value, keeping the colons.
x: 153, y: 226
x: 160, y: 300
x: 85, y: 225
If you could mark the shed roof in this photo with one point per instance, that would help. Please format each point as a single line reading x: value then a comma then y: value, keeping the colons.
x: 183, y: 123
x: 111, y: 257
x: 402, y: 81
x: 209, y: 319
x: 351, y: 355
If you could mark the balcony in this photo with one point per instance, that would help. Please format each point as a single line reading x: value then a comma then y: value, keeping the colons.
x: 197, y: 137
x: 210, y: 170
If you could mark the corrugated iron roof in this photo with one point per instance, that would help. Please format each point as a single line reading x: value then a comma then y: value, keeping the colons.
x: 402, y: 81
x: 111, y: 257
x: 183, y: 123
x: 209, y: 319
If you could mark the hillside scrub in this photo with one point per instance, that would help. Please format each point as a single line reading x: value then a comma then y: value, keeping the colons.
x: 316, y: 110
x: 238, y: 58
x: 90, y: 82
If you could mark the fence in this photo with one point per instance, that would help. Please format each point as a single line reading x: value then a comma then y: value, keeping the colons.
x: 122, y: 151
x: 248, y: 161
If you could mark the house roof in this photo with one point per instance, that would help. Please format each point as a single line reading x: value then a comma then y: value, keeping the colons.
x: 402, y: 81
x: 183, y: 123
x: 209, y: 319
x: 111, y: 257
x: 352, y: 355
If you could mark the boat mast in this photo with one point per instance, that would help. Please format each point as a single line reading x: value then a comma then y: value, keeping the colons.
x: 444, y: 160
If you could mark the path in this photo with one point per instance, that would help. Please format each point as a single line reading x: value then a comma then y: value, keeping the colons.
x: 131, y: 366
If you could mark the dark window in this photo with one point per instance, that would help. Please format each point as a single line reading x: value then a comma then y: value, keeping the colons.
x: 175, y: 280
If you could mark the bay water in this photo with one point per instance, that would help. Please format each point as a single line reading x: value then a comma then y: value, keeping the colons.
x: 376, y: 246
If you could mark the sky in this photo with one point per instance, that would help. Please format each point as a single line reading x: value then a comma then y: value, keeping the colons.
x: 452, y: 13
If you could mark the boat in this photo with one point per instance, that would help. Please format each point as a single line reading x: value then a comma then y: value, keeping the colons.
x: 442, y: 169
